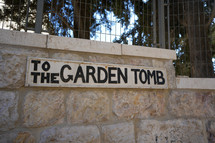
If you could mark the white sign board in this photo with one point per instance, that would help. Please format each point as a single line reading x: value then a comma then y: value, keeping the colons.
x: 61, y: 73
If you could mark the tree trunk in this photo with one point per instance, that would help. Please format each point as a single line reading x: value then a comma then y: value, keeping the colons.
x: 81, y: 19
x: 197, y: 33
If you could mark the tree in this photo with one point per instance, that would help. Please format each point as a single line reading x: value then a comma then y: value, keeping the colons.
x: 78, y: 19
x: 197, y: 21
x: 194, y: 43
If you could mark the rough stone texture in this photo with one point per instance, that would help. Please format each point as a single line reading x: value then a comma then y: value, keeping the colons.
x: 13, y: 64
x: 14, y: 137
x: 174, y: 131
x: 211, y: 131
x: 135, y: 61
x: 83, y: 45
x: 67, y: 56
x: 168, y: 65
x: 24, y: 137
x: 87, y: 106
x: 195, y: 83
x: 7, y: 137
x: 43, y: 108
x: 76, y: 134
x: 22, y: 38
x: 8, y: 110
x: 148, y: 52
x: 118, y: 133
x: 192, y: 104
x: 138, y: 103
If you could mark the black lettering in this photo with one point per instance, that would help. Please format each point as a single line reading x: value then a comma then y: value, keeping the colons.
x: 135, y: 74
x: 160, y: 76
x: 45, y: 77
x: 90, y: 72
x: 46, y: 66
x: 124, y: 76
x: 141, y: 77
x: 110, y: 75
x: 79, y: 74
x: 53, y: 77
x: 70, y: 77
x: 35, y: 75
x: 35, y: 62
x: 99, y: 75
x: 151, y: 75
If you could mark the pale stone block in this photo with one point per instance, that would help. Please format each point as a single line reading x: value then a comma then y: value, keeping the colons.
x: 87, y: 106
x: 43, y: 108
x: 192, y: 104
x: 148, y: 52
x: 172, y: 131
x: 138, y: 103
x: 67, y: 56
x: 8, y: 110
x: 17, y: 137
x: 13, y: 65
x: 12, y: 73
x: 82, y: 45
x: 22, y: 38
x: 75, y: 134
x: 134, y: 61
x: 195, y: 83
x: 170, y: 69
x: 118, y: 133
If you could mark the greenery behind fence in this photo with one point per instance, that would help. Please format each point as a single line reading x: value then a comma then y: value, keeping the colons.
x: 189, y: 25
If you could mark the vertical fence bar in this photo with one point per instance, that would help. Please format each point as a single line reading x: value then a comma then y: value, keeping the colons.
x: 27, y: 14
x: 154, y: 24
x: 161, y: 23
x: 168, y: 20
x: 39, y: 16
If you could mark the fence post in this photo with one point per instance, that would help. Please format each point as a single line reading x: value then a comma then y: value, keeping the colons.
x: 39, y: 16
x: 161, y: 23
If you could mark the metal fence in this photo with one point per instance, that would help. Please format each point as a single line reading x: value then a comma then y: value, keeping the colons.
x: 187, y: 26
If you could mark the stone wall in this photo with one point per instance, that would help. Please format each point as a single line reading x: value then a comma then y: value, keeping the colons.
x: 183, y: 113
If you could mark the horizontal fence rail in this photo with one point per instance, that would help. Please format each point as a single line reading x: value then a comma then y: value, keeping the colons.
x: 187, y: 26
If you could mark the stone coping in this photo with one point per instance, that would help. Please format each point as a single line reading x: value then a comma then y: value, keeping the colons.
x: 82, y: 45
x: 195, y: 83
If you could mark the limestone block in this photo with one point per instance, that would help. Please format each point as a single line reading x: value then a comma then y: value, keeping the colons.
x: 24, y: 137
x: 172, y: 131
x: 82, y: 45
x: 211, y: 131
x: 75, y: 134
x: 7, y: 138
x: 12, y: 73
x: 67, y: 56
x: 17, y: 137
x: 87, y: 106
x: 22, y: 38
x: 170, y: 69
x: 192, y: 104
x: 148, y: 52
x: 195, y: 83
x: 118, y: 133
x: 13, y: 65
x: 43, y: 108
x: 138, y: 103
x: 8, y: 110
x: 135, y: 61
x: 105, y: 59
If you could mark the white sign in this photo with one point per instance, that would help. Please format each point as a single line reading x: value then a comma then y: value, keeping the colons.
x: 61, y: 73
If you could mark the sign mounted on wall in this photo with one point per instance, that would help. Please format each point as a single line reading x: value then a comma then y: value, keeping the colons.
x: 44, y: 72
